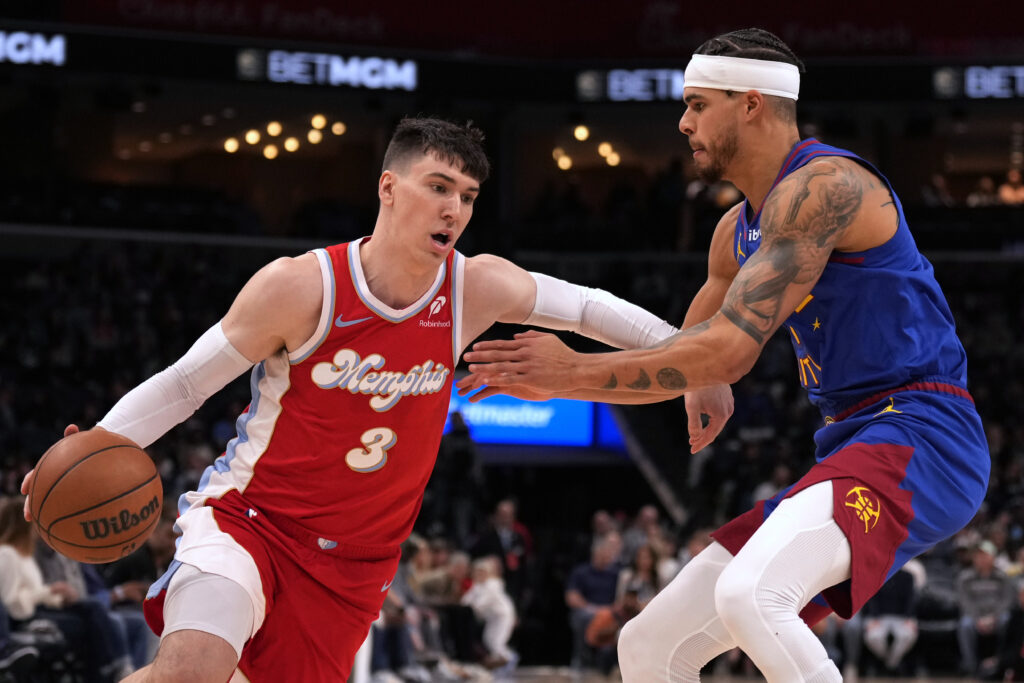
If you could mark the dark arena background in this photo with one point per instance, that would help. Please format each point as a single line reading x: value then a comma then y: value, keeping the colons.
x: 156, y: 153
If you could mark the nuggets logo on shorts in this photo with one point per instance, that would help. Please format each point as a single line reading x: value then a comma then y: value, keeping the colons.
x: 865, y: 505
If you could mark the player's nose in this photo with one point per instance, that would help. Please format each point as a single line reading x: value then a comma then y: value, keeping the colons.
x: 452, y: 207
x: 685, y: 126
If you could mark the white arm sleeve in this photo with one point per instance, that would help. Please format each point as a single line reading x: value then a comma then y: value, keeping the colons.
x: 169, y: 397
x: 595, y: 313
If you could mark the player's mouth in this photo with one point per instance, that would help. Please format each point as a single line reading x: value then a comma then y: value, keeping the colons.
x: 441, y: 240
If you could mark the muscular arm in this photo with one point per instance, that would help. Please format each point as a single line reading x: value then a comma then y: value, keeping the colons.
x: 802, y: 221
x: 500, y: 291
x: 722, y: 268
x: 278, y: 307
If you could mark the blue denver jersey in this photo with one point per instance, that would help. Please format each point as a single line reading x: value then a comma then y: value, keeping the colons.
x: 875, y: 320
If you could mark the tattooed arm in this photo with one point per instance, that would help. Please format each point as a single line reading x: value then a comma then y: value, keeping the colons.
x: 803, y: 219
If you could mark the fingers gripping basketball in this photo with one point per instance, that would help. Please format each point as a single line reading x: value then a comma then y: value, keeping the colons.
x: 95, y: 496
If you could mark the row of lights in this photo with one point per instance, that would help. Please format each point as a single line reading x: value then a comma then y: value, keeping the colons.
x: 165, y: 137
x: 274, y: 129
x: 582, y: 133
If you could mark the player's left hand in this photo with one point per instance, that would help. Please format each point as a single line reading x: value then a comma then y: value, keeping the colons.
x: 471, y: 383
x: 535, y: 360
x: 717, y: 403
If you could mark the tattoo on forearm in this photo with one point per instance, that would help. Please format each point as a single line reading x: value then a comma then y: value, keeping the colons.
x: 612, y: 382
x: 643, y: 381
x: 670, y: 378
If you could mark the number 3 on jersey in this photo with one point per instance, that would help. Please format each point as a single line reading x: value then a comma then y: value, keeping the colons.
x: 374, y: 453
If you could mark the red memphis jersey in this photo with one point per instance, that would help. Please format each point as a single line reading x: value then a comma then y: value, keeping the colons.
x: 342, y: 434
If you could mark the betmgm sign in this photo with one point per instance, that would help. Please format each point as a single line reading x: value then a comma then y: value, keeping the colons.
x: 23, y: 47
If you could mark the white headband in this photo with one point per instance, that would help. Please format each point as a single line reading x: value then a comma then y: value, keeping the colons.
x: 741, y: 74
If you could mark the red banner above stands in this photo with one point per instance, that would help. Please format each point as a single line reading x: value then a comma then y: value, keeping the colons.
x: 576, y: 28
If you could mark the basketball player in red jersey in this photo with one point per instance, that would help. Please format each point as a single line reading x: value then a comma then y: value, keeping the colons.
x: 291, y: 541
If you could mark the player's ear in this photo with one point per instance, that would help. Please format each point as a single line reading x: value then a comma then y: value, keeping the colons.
x: 386, y: 188
x: 754, y: 102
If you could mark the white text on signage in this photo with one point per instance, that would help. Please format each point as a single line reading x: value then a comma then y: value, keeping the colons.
x: 19, y: 47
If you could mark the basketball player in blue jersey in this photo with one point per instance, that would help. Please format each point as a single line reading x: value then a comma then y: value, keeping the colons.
x: 820, y: 249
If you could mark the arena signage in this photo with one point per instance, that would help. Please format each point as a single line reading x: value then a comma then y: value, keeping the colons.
x: 979, y: 82
x: 314, y: 68
x: 630, y: 85
x: 21, y: 47
x: 503, y: 419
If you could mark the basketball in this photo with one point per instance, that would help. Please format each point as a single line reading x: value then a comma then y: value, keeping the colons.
x: 96, y: 496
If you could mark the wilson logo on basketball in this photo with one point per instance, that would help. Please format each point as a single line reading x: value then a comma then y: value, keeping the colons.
x: 125, y: 520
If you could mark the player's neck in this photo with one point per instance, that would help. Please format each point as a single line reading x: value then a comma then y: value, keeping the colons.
x: 759, y: 167
x: 391, y: 274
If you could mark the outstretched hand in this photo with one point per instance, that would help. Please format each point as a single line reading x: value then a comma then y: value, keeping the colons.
x: 26, y: 483
x: 533, y: 360
x: 471, y: 383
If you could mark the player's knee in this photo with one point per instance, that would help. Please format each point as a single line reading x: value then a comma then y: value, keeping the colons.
x: 643, y: 653
x: 635, y: 657
x: 735, y: 593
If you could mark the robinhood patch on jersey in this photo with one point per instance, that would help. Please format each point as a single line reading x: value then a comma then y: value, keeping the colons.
x: 364, y: 376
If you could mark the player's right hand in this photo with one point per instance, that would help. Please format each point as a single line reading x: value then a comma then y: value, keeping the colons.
x: 26, y: 483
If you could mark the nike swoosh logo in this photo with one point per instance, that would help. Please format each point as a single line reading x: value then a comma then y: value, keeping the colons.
x: 387, y: 585
x: 345, y: 323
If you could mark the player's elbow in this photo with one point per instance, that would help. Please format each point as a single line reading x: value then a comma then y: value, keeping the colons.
x: 741, y: 366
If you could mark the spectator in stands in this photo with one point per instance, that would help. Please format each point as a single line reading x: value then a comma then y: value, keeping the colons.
x: 1011, y: 192
x: 457, y: 486
x: 936, y: 192
x: 645, y: 525
x: 86, y: 626
x: 781, y: 477
x: 985, y: 596
x: 890, y: 627
x: 130, y: 577
x: 494, y: 608
x: 18, y: 660
x: 592, y: 586
x: 509, y: 540
x: 640, y: 577
x: 125, y: 633
x: 1011, y: 652
x: 984, y: 193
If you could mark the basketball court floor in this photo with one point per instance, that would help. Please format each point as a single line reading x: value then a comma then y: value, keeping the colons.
x: 565, y: 675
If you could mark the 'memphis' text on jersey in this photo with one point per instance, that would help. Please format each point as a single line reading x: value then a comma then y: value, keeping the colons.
x: 361, y: 376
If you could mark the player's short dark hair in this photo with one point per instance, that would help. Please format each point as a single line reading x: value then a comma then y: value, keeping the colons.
x: 751, y: 43
x: 459, y: 144
x: 756, y: 43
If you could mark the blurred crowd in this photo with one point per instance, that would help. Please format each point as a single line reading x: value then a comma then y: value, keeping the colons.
x: 480, y: 590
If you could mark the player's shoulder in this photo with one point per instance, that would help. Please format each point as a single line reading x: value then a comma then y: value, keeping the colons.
x: 728, y: 220
x: 830, y: 169
x: 289, y: 281
x: 485, y: 268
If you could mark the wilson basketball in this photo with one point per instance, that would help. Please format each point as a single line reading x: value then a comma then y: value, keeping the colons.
x: 96, y: 496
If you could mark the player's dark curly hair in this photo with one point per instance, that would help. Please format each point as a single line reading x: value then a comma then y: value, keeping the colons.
x: 756, y: 43
x: 459, y: 144
x: 751, y: 43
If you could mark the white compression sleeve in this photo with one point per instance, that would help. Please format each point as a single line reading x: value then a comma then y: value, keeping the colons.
x: 167, y: 398
x: 595, y: 313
